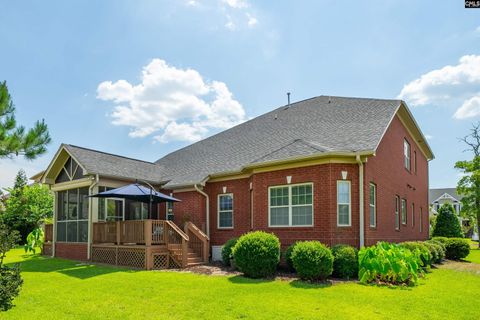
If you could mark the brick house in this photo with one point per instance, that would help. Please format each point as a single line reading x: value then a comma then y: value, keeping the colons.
x: 333, y: 169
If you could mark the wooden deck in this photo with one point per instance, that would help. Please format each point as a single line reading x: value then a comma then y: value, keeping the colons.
x: 149, y: 244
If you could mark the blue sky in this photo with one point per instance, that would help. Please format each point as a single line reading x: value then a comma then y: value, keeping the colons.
x: 202, y: 66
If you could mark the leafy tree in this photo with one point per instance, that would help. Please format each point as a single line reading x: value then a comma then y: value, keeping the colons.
x: 10, y: 279
x: 14, y: 139
x: 469, y: 184
x: 35, y: 240
x: 447, y: 224
x: 27, y: 207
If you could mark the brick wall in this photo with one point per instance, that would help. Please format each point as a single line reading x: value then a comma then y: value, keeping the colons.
x: 387, y: 171
x: 73, y: 251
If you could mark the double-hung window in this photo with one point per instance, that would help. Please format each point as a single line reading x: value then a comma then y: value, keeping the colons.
x: 406, y: 154
x: 421, y: 219
x: 397, y: 215
x: 225, y: 211
x: 404, y: 211
x: 344, y: 208
x: 291, y: 205
x: 413, y: 214
x: 373, y: 205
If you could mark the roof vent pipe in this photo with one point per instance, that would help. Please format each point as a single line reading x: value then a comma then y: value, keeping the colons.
x: 288, y: 98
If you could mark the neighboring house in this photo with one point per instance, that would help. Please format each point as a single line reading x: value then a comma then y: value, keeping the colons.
x: 438, y: 197
x: 333, y: 169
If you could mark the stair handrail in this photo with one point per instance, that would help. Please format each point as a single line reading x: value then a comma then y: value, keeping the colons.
x: 190, y: 226
x: 177, y: 229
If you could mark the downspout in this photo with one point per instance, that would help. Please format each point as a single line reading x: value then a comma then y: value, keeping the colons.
x: 361, y: 201
x: 90, y: 215
x: 207, y: 209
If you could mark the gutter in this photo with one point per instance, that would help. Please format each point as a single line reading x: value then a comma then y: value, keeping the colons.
x: 90, y: 215
x: 207, y: 209
x: 361, y: 201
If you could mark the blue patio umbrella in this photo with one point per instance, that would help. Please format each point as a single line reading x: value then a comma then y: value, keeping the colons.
x: 137, y: 192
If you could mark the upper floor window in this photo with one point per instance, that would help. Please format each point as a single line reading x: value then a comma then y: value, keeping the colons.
x: 421, y: 219
x: 373, y: 205
x: 344, y: 210
x: 415, y: 162
x: 225, y: 210
x: 406, y: 154
x: 291, y: 205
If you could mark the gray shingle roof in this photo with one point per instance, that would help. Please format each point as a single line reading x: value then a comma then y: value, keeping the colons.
x: 106, y: 164
x: 434, y: 194
x: 303, y: 128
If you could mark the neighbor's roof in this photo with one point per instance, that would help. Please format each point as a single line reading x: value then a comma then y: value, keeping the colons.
x: 313, y: 126
x: 111, y: 165
x: 434, y: 194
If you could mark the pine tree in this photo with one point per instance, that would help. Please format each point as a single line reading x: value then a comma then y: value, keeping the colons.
x: 14, y: 139
x: 447, y: 224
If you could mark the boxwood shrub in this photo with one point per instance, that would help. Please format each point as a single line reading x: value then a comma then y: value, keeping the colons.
x: 312, y: 260
x: 457, y: 248
x: 423, y: 251
x: 227, y: 251
x: 435, y: 251
x: 257, y: 254
x: 345, y: 261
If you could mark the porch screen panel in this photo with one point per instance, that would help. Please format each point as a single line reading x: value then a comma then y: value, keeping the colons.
x: 72, y: 215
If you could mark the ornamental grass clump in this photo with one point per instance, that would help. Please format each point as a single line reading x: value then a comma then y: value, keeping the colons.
x: 312, y: 260
x: 389, y: 263
x: 257, y: 254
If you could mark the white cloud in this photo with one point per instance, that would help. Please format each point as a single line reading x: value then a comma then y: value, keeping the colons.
x: 252, y: 21
x: 477, y: 30
x: 428, y: 137
x: 176, y: 104
x: 469, y: 109
x: 451, y: 85
x: 237, y: 4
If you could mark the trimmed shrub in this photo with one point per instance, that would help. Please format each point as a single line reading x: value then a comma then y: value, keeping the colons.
x: 447, y: 224
x: 345, y: 261
x: 288, y: 257
x: 440, y: 249
x: 435, y: 252
x: 257, y: 254
x: 457, y: 248
x: 227, y: 251
x: 423, y: 251
x: 312, y: 260
x: 389, y: 263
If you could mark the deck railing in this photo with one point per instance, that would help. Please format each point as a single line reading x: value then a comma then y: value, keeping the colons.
x: 199, y: 241
x: 155, y: 232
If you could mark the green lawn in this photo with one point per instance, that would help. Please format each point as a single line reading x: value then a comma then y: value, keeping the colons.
x: 474, y: 255
x: 60, y: 289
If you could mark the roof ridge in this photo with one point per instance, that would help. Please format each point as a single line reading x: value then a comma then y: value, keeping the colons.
x: 108, y: 153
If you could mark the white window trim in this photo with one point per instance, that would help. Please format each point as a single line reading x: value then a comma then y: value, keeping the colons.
x: 397, y: 213
x: 407, y: 155
x: 402, y: 201
x: 290, y: 206
x: 349, y: 204
x: 166, y: 210
x: 374, y: 225
x: 218, y: 210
